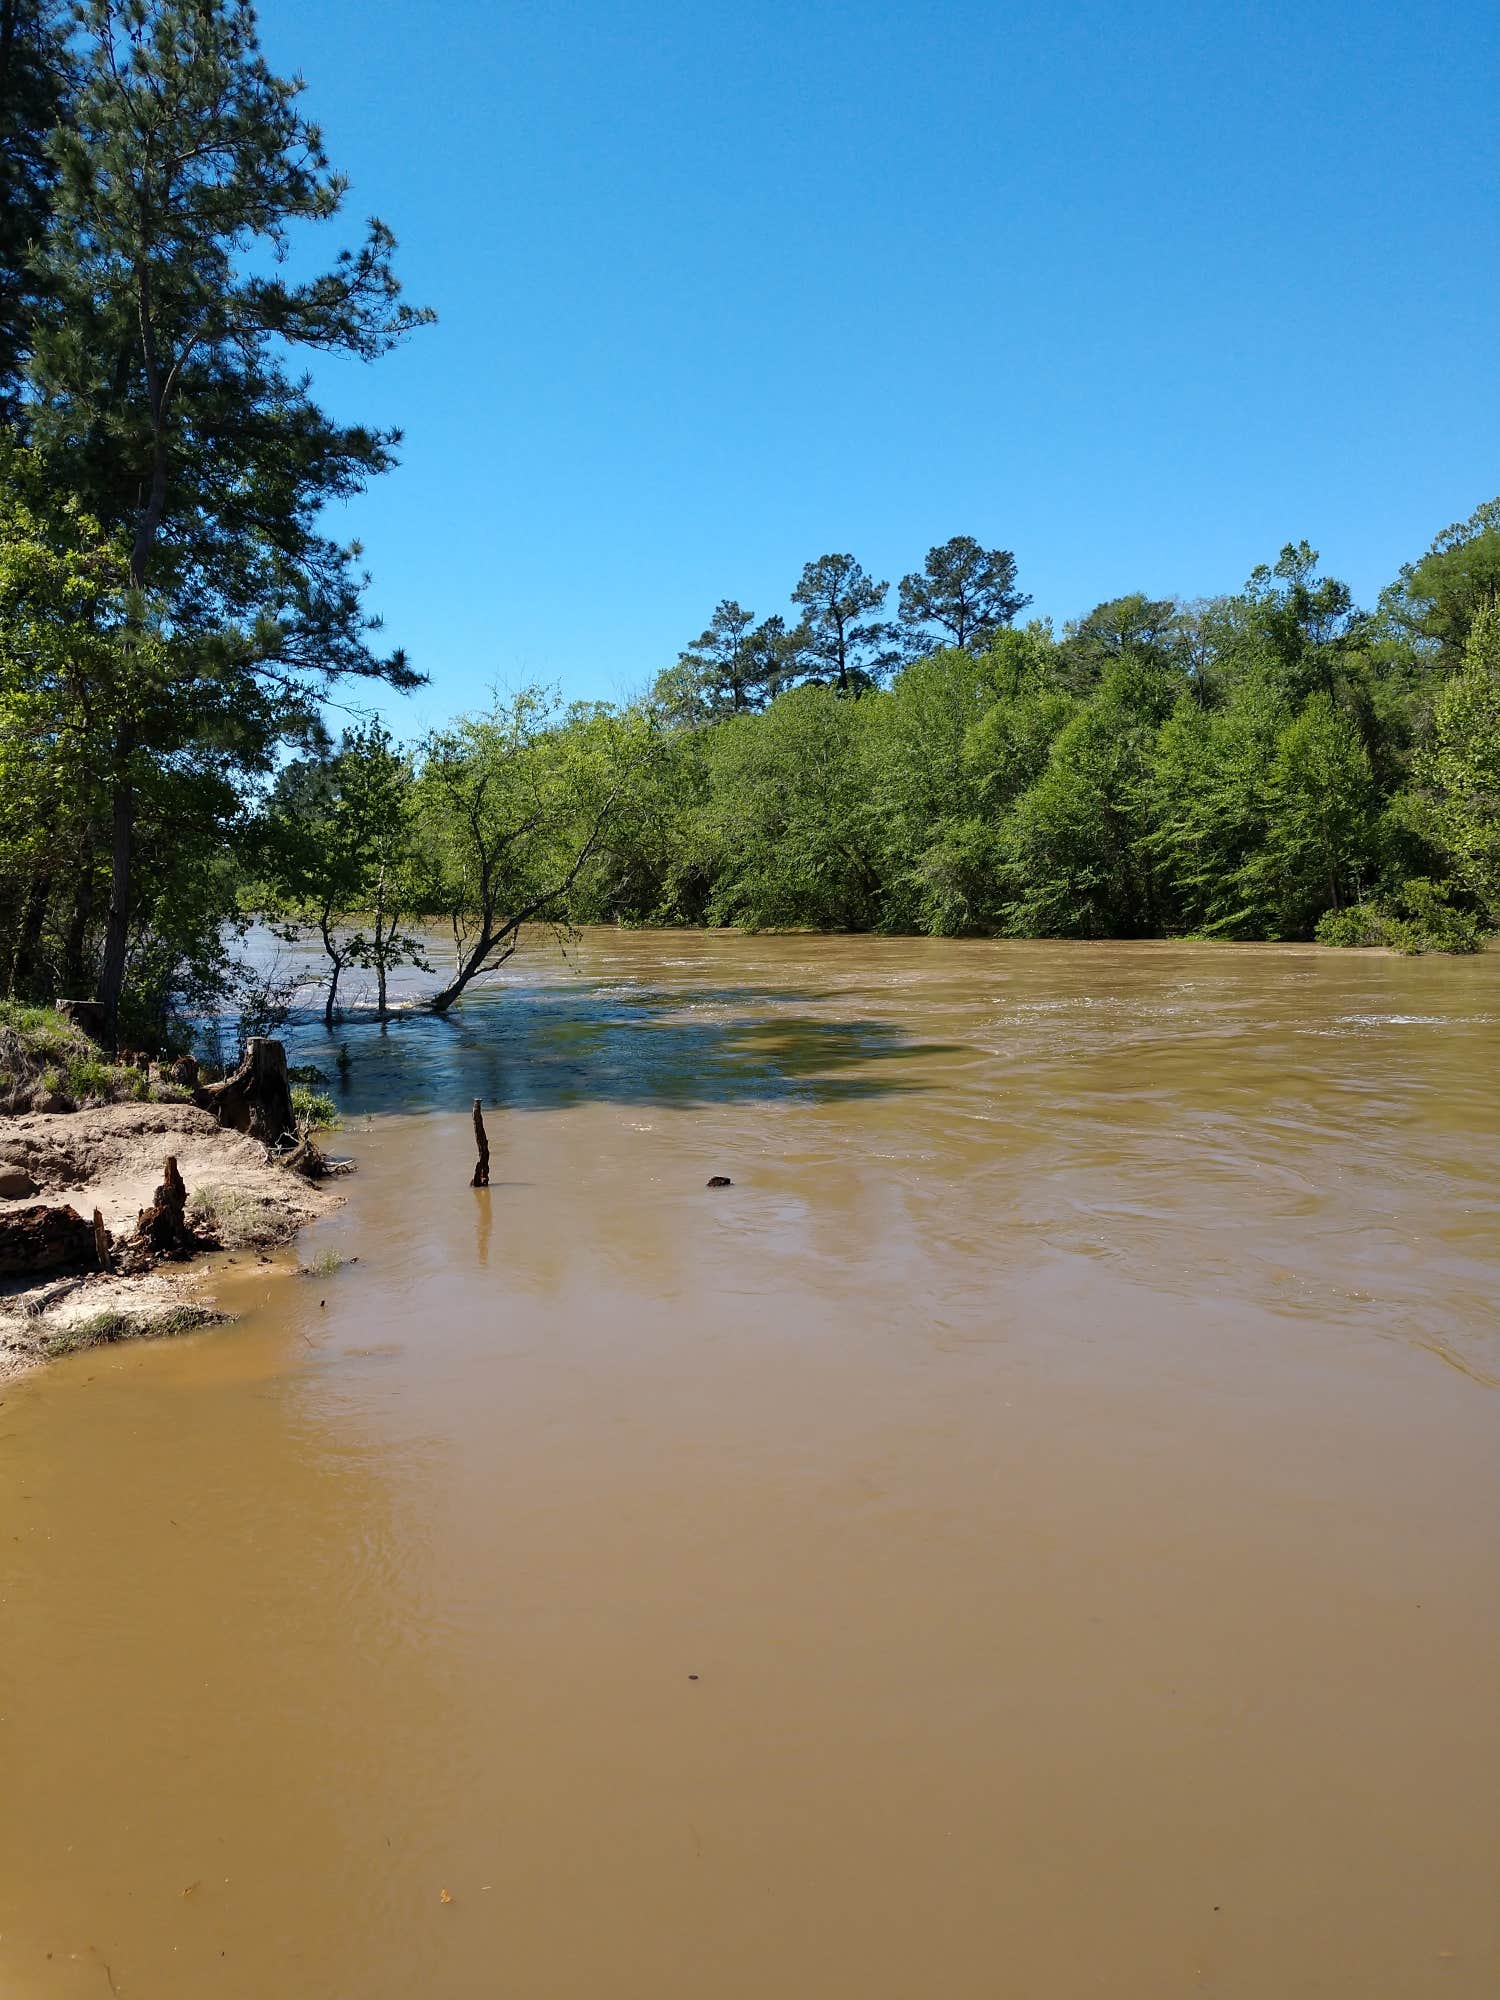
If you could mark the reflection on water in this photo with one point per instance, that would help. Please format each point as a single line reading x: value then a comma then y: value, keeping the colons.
x: 1033, y: 1533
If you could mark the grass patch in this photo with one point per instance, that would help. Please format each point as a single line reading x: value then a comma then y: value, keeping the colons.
x: 236, y: 1216
x: 41, y: 1052
x: 324, y: 1265
x: 90, y: 1078
x: 107, y: 1329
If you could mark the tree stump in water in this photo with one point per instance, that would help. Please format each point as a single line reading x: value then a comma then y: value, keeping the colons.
x: 257, y: 1099
x: 482, y: 1170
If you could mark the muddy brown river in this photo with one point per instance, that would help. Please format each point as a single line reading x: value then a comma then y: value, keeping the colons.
x: 1034, y: 1535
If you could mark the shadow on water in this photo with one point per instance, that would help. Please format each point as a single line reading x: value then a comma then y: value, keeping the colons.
x: 538, y: 1049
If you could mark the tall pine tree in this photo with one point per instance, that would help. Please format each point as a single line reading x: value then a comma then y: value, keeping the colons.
x: 166, y: 397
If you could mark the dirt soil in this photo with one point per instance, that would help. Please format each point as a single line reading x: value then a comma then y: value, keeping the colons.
x: 111, y: 1158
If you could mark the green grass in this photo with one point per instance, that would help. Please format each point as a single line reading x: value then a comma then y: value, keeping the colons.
x: 40, y: 1049
x: 233, y: 1214
x: 106, y: 1329
x: 45, y: 1033
x: 324, y: 1265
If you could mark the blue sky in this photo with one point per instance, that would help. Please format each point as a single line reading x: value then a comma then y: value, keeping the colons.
x: 1139, y: 291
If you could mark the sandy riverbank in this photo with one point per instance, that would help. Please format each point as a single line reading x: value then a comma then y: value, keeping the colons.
x: 110, y: 1158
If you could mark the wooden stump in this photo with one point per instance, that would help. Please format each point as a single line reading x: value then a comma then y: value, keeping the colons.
x: 482, y: 1170
x: 257, y: 1099
x: 89, y: 1015
x: 162, y: 1229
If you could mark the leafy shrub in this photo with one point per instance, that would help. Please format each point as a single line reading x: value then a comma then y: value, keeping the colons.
x: 1418, y: 917
x: 312, y: 1109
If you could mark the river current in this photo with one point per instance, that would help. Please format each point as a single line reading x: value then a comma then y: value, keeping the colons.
x: 1032, y: 1535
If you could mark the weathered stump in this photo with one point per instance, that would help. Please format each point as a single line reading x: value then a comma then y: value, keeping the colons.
x: 482, y: 1170
x: 257, y: 1099
x: 162, y: 1229
x: 89, y: 1015
x: 43, y: 1238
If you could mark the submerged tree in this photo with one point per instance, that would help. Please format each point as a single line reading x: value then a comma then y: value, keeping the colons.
x: 511, y: 812
x: 164, y: 399
x: 338, y: 841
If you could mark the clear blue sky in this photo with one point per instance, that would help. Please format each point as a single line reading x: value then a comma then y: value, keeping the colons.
x: 1139, y: 291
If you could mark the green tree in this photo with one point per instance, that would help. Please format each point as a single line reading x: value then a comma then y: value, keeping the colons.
x: 1437, y: 599
x: 162, y: 395
x: 787, y: 826
x: 35, y: 75
x: 1073, y: 848
x: 338, y: 844
x: 967, y: 593
x: 1143, y: 627
x: 1460, y: 769
x: 1318, y: 849
x: 735, y: 665
x: 511, y: 812
x: 63, y: 590
x: 838, y: 641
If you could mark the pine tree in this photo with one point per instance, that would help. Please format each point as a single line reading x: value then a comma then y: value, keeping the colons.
x: 34, y: 84
x: 165, y: 402
x: 968, y: 592
x: 838, y: 642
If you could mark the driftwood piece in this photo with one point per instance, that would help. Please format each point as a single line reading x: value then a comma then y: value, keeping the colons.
x: 308, y: 1159
x: 257, y: 1099
x: 482, y: 1170
x: 43, y: 1238
x: 102, y: 1243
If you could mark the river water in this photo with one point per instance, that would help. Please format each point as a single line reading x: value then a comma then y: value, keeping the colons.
x: 1034, y: 1535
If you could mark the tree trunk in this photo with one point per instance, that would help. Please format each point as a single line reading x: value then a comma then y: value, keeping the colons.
x: 335, y: 958
x: 382, y: 946
x: 75, y: 943
x: 258, y: 1097
x: 482, y: 1146
x: 29, y: 933
x: 117, y: 923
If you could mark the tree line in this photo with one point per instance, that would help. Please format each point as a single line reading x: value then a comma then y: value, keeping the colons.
x: 1270, y: 764
x: 176, y: 619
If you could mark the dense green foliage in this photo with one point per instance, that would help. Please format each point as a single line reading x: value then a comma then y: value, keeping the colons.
x: 167, y: 455
x: 1274, y: 763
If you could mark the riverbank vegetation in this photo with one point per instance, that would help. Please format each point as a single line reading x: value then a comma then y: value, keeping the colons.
x: 1273, y: 763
